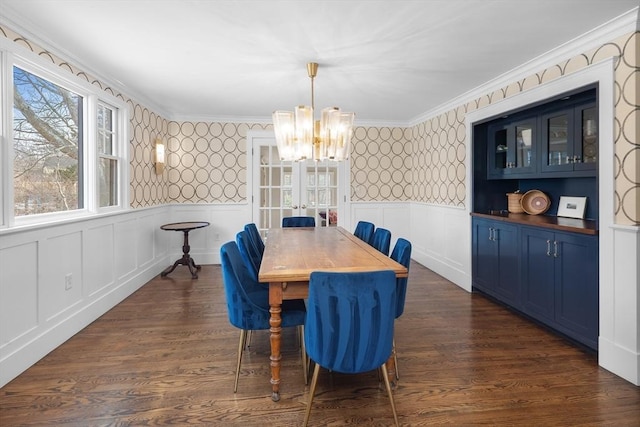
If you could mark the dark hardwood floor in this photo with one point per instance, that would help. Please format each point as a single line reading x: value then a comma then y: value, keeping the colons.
x: 166, y: 356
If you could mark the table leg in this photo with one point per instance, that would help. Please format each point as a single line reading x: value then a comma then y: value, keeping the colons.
x: 275, y: 322
x: 185, y: 260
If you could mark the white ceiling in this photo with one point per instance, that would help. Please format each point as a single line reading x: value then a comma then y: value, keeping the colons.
x: 388, y: 61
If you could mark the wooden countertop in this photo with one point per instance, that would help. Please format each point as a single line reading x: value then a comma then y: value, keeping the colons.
x: 573, y: 225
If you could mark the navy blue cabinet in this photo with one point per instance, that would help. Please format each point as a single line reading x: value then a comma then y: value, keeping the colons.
x: 512, y: 151
x: 557, y: 139
x: 495, y: 259
x: 560, y: 282
x: 570, y: 139
x: 549, y: 275
x: 538, y: 297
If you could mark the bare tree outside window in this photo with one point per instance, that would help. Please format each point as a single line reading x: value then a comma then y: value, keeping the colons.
x: 47, y: 137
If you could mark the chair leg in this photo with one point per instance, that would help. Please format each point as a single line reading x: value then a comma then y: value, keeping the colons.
x: 305, y: 366
x: 395, y: 360
x: 312, y: 391
x: 385, y: 374
x: 241, y: 344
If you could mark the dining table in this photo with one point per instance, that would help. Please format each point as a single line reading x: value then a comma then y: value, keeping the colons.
x: 292, y: 254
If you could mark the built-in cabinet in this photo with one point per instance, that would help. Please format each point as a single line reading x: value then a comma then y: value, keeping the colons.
x: 548, y: 275
x: 544, y: 266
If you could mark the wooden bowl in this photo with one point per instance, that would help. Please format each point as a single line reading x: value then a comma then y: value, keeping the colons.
x: 535, y: 202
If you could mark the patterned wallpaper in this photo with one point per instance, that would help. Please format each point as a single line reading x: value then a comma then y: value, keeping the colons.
x: 146, y: 187
x: 206, y: 162
x: 381, y: 164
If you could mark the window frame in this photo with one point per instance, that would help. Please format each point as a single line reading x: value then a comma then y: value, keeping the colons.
x: 14, y: 55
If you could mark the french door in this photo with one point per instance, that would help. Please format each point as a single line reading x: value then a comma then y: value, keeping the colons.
x: 307, y: 188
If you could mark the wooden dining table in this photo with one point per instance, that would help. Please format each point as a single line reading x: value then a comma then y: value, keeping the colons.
x: 292, y: 254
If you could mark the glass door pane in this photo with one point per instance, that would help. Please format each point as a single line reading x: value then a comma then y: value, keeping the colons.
x: 557, y: 140
x: 590, y: 135
x: 524, y: 139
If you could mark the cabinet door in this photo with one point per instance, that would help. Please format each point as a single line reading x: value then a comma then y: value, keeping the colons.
x: 557, y: 141
x: 484, y: 260
x: 521, y: 140
x: 495, y: 259
x: 497, y: 150
x: 505, y: 238
x: 538, y: 273
x: 576, y: 278
x: 586, y: 141
x: 570, y: 139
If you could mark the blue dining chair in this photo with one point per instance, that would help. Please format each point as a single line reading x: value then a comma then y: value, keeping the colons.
x: 364, y: 231
x: 382, y: 240
x: 251, y: 258
x: 255, y: 237
x: 248, y: 304
x: 402, y: 255
x: 298, y: 221
x: 349, y: 324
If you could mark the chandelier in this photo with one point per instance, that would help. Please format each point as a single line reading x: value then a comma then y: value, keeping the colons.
x: 300, y: 137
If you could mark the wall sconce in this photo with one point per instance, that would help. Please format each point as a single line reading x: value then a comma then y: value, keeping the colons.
x: 159, y: 154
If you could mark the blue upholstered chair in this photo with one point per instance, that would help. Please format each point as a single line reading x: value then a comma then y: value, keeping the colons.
x: 382, y: 240
x: 255, y: 237
x: 364, y: 231
x: 349, y: 324
x: 250, y: 257
x: 298, y: 221
x: 248, y: 303
x: 402, y: 255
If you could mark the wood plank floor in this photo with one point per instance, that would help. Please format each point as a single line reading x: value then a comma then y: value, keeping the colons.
x: 165, y: 356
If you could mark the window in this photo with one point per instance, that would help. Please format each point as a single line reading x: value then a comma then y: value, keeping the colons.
x: 66, y: 148
x: 47, y: 146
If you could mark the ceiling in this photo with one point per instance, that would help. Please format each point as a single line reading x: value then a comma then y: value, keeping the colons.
x: 388, y: 61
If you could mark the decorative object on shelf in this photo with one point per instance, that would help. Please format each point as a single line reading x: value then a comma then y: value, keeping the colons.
x: 159, y: 156
x: 572, y: 207
x: 513, y: 202
x: 300, y: 137
x: 535, y: 202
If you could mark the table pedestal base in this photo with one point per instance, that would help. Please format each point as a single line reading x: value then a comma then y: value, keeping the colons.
x: 185, y: 260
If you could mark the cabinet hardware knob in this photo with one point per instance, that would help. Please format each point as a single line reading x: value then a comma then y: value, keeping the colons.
x: 555, y: 249
x: 548, y: 247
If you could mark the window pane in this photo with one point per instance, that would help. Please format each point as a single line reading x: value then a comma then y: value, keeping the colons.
x: 105, y: 130
x: 107, y: 181
x: 47, y: 146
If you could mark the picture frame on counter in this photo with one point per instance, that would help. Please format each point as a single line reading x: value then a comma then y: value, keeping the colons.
x: 572, y: 207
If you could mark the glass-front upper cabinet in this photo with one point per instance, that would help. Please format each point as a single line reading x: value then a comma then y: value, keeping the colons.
x: 588, y: 128
x: 570, y: 139
x: 512, y: 148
